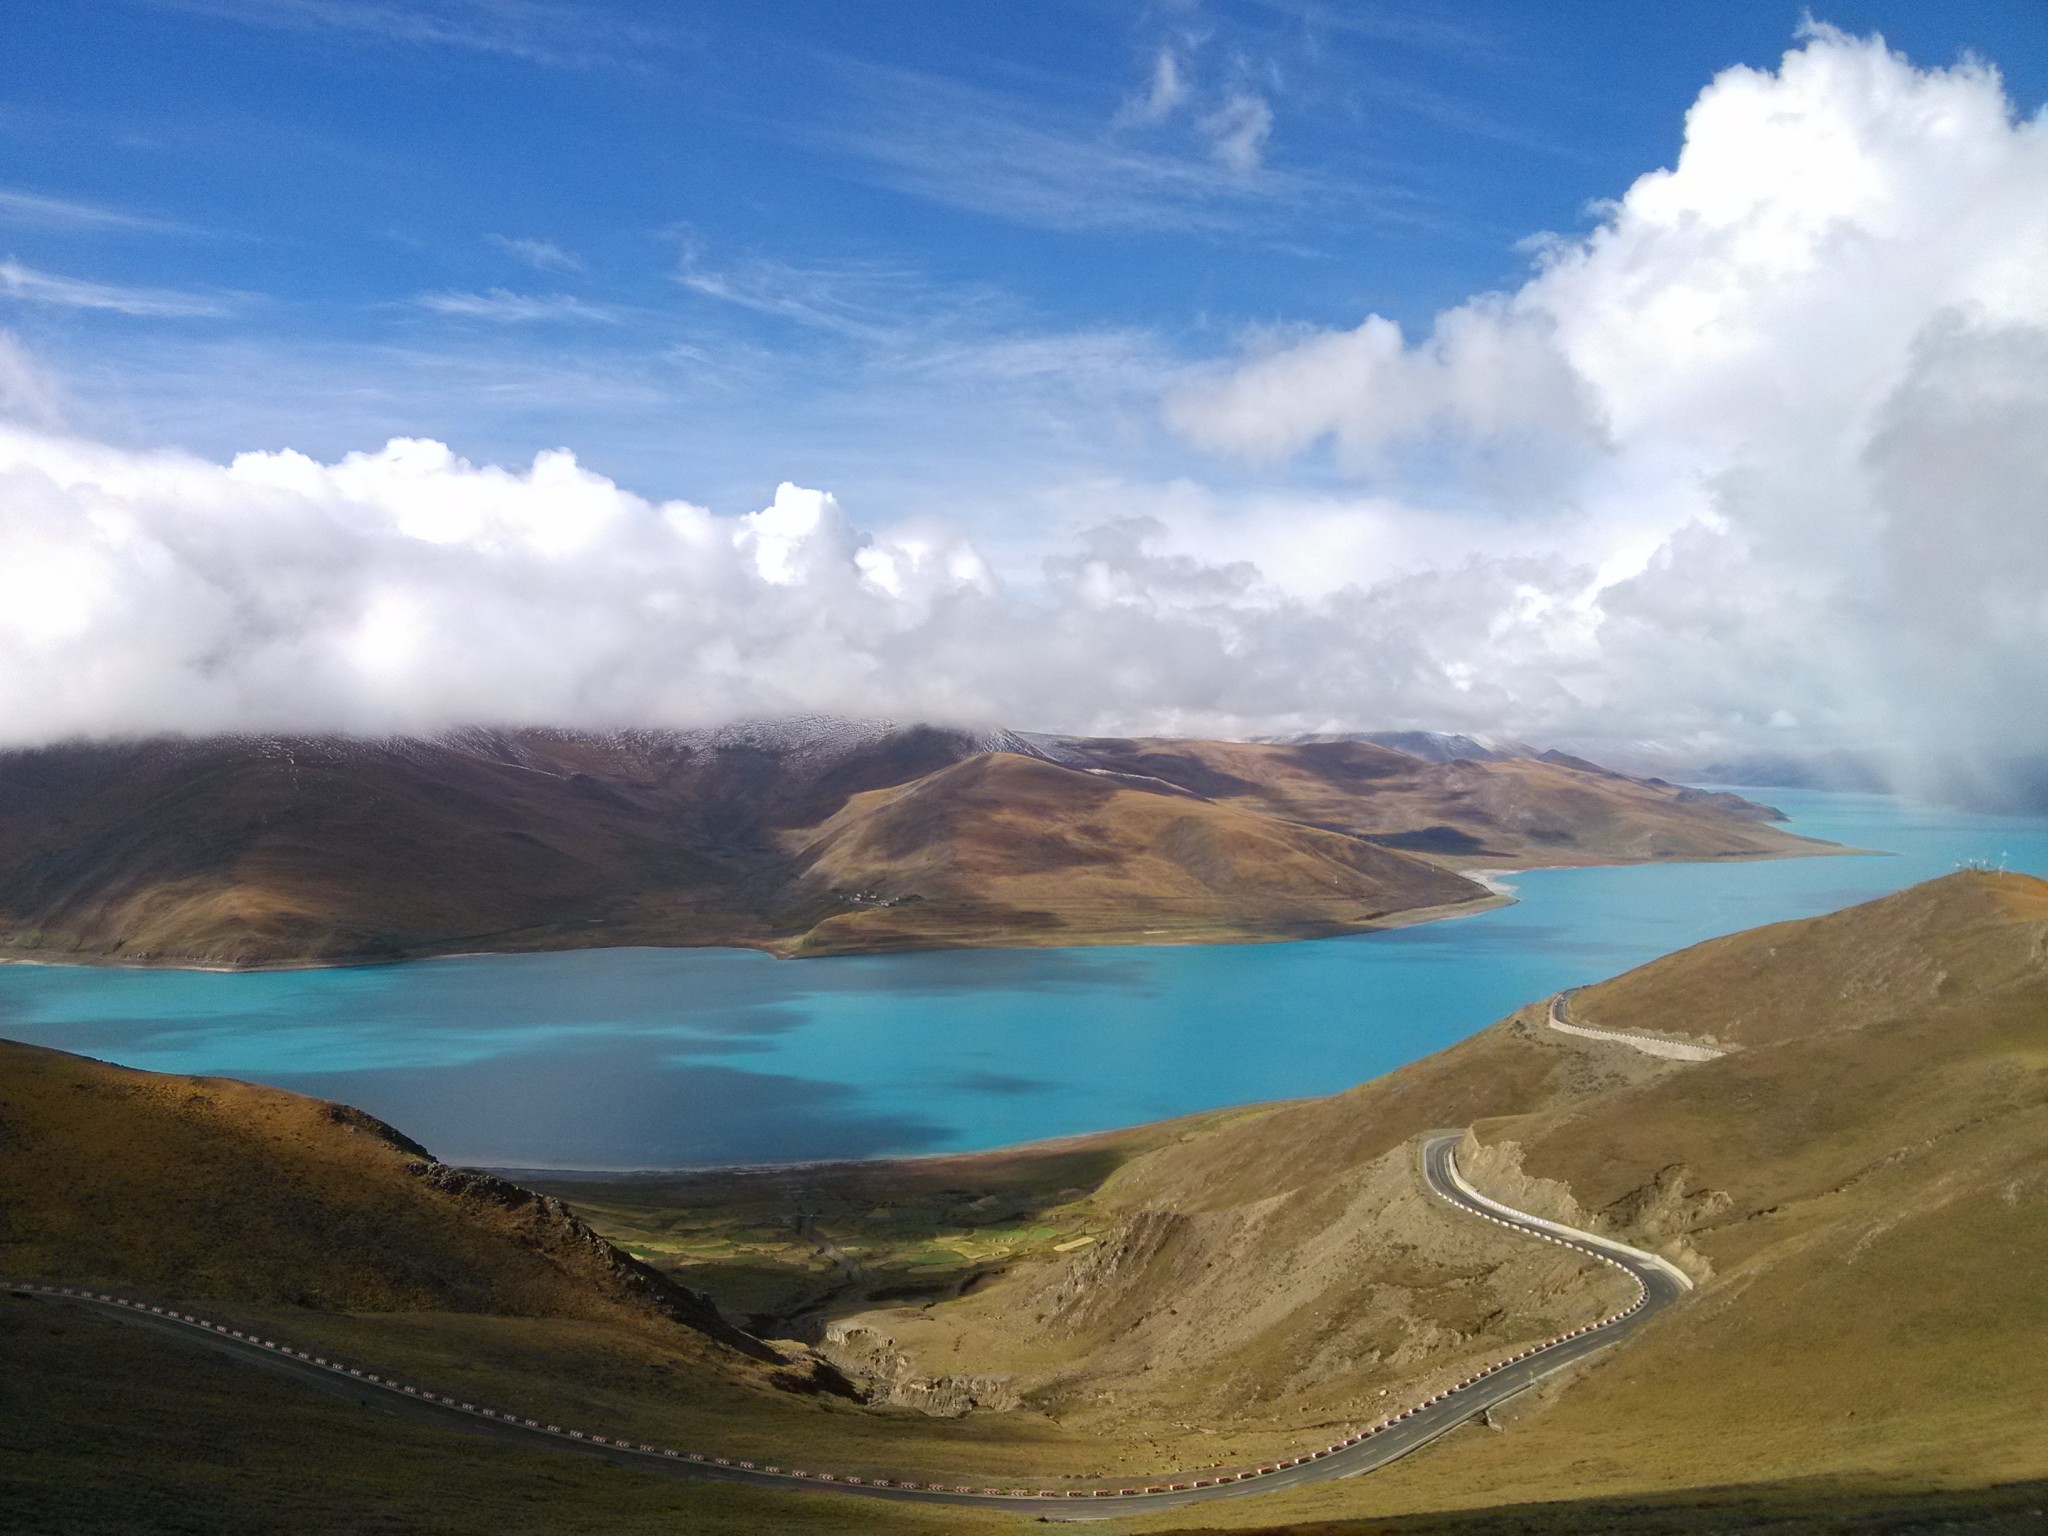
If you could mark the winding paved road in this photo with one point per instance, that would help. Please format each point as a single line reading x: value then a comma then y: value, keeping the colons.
x: 1658, y: 1285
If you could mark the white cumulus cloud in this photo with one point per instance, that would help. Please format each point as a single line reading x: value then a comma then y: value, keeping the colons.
x: 1762, y: 458
x: 407, y: 590
x: 1814, y: 349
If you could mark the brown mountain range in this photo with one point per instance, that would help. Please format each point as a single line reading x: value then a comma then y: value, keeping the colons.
x: 248, y: 851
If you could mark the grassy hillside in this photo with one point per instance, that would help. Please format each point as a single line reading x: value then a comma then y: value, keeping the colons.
x: 206, y: 1445
x: 787, y: 1248
x: 1863, y: 1187
x: 213, y: 1188
x: 1249, y: 1276
x: 134, y: 1435
x: 251, y: 851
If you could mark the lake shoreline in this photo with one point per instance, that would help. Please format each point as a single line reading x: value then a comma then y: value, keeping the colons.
x: 1490, y: 878
x: 590, y: 1062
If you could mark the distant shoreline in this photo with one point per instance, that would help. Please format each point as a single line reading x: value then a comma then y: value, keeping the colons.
x: 1492, y: 879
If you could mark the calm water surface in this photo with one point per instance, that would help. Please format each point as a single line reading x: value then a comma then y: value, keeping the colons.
x: 648, y: 1057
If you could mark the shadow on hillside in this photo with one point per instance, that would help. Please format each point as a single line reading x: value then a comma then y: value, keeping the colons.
x: 1806, y: 1507
x: 783, y: 1248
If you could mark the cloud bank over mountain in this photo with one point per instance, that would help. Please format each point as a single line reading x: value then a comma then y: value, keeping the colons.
x: 1763, y: 459
x: 1816, y: 352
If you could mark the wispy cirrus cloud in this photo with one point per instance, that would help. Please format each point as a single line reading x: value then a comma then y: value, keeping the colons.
x: 28, y: 285
x: 1105, y: 367
x: 1236, y: 128
x: 898, y: 322
x: 1238, y: 131
x: 861, y: 301
x: 541, y: 255
x: 1163, y: 94
x: 40, y: 212
x: 1460, y: 114
x: 549, y: 32
x: 27, y: 392
x: 1409, y: 26
x: 1033, y: 163
x: 516, y: 308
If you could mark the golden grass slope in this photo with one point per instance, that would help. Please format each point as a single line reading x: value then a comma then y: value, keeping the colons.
x: 112, y: 1431
x: 1863, y: 1190
x: 216, y: 1188
x: 1523, y: 812
x: 1014, y: 848
x: 1948, y: 940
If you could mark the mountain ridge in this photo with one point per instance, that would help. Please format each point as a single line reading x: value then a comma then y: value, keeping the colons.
x: 264, y: 851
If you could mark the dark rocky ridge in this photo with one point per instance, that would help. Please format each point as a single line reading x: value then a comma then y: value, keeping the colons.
x: 547, y: 1226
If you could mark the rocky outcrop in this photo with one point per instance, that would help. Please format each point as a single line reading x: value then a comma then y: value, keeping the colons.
x: 348, y: 1117
x: 884, y: 1374
x: 1661, y: 1214
x: 1663, y: 1209
x: 1095, y: 1279
x: 1657, y: 1215
x: 1496, y: 1170
x: 545, y: 1224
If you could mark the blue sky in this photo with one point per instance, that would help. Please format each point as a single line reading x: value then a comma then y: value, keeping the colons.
x: 917, y: 253
x: 1664, y: 381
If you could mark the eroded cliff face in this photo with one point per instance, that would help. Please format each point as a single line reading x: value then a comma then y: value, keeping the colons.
x: 1657, y: 1214
x: 882, y: 1373
x: 1662, y: 1213
x: 1496, y: 1170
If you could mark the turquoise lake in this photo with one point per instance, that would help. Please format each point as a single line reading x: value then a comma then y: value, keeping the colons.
x: 670, y: 1057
